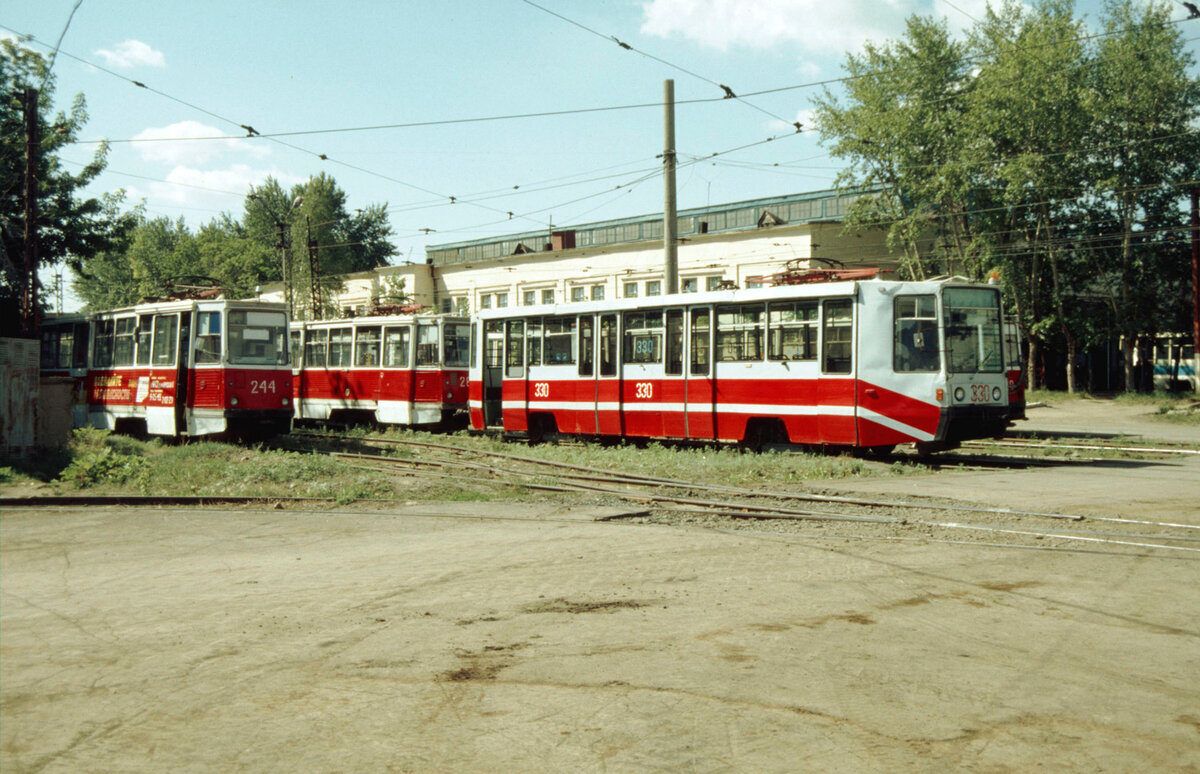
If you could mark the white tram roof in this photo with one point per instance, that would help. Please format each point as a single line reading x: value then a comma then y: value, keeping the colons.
x: 381, y: 319
x: 187, y: 305
x: 843, y: 289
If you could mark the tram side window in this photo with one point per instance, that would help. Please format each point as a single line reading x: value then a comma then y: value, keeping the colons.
x: 916, y: 336
x: 340, y: 340
x: 145, y: 333
x: 560, y: 341
x: 208, y: 337
x: 740, y: 333
x: 644, y: 336
x: 587, y: 349
x: 674, y: 342
x: 166, y: 327
x: 396, y: 343
x: 427, y: 344
x: 366, y: 346
x: 78, y: 344
x: 793, y: 330
x: 123, y: 345
x: 836, y: 336
x: 493, y: 355
x: 608, y: 345
x: 533, y: 341
x: 57, y: 347
x: 456, y: 344
x: 514, y: 349
x: 314, y: 348
x: 102, y: 348
x: 700, y: 346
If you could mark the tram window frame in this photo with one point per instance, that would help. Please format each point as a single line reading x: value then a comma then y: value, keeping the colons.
x: 700, y: 338
x: 514, y: 349
x: 587, y: 345
x: 533, y: 341
x: 79, y: 345
x: 740, y: 340
x: 609, y: 337
x: 340, y: 353
x: 558, y: 343
x: 168, y: 334
x: 474, y: 363
x: 102, y: 343
x: 915, y: 346
x: 368, y: 340
x: 673, y: 343
x: 793, y: 317
x: 144, y: 336
x: 427, y: 350
x: 397, y: 341
x: 316, y: 348
x: 296, y: 348
x: 644, y: 334
x: 208, y: 338
x: 124, y: 341
x: 837, y: 351
x: 493, y: 334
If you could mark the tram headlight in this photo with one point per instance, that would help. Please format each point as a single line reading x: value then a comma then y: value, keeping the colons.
x: 233, y: 401
x: 287, y: 402
x: 995, y: 394
x: 960, y: 394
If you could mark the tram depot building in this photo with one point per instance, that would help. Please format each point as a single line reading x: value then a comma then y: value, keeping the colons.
x: 719, y: 246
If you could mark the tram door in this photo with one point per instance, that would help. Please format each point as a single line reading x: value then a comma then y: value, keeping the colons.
x: 699, y: 406
x: 183, y: 354
x: 835, y: 385
x: 515, y: 408
x: 493, y: 371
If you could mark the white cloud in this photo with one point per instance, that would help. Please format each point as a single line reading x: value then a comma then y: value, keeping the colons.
x: 132, y: 53
x: 188, y: 188
x: 814, y: 25
x: 170, y: 144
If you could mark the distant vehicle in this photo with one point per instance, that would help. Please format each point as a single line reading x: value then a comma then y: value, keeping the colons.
x: 188, y: 368
x: 407, y: 369
x: 864, y: 364
x: 1173, y: 363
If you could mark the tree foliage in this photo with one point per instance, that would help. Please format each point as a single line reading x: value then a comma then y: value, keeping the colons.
x: 72, y: 228
x: 1060, y: 159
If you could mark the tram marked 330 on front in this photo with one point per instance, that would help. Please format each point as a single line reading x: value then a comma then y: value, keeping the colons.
x: 860, y: 364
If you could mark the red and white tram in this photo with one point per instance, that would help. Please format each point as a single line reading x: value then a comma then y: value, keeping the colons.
x: 394, y: 369
x: 855, y: 364
x: 191, y: 368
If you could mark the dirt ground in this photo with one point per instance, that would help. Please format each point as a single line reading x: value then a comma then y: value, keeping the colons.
x: 530, y: 637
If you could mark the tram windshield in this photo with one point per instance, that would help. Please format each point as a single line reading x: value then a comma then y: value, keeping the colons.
x: 257, y: 337
x: 973, y: 338
x: 456, y: 343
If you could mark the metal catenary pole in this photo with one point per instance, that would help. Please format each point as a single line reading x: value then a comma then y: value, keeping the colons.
x: 670, y: 221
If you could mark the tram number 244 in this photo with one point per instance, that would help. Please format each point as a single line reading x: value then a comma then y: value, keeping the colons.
x: 643, y: 390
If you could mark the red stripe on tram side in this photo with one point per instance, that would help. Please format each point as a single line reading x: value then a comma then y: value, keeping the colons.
x: 902, y: 408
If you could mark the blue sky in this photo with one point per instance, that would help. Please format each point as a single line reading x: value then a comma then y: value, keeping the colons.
x: 304, y: 66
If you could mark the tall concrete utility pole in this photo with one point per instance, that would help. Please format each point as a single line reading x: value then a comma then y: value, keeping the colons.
x: 670, y: 221
x: 29, y: 295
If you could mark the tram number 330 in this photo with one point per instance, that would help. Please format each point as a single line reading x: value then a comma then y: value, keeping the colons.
x: 979, y: 393
x: 541, y: 389
x: 643, y: 390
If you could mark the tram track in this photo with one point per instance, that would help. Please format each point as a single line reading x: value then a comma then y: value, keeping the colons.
x: 689, y: 503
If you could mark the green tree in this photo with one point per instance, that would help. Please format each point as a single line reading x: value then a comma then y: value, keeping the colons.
x: 71, y: 227
x: 1146, y: 153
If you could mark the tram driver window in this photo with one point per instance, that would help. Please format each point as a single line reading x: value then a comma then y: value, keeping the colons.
x: 916, y: 336
x: 208, y: 337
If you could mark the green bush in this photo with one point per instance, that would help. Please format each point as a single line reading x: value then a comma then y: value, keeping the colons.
x: 104, y: 467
